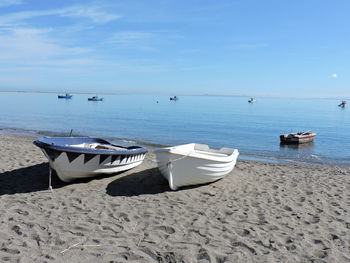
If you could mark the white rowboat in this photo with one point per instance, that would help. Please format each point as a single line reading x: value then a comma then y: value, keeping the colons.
x: 192, y: 164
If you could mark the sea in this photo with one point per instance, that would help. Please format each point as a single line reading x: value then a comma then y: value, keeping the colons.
x: 219, y: 121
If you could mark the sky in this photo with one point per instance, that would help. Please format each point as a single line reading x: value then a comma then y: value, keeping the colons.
x: 297, y: 48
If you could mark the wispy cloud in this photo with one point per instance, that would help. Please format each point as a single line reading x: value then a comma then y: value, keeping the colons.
x: 143, y: 40
x: 93, y: 13
x: 130, y: 37
x: 251, y: 46
x: 9, y: 2
x: 33, y: 50
x: 33, y: 46
x: 28, y: 48
x: 333, y: 76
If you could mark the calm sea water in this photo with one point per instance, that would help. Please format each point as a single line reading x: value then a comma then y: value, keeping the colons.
x: 218, y: 121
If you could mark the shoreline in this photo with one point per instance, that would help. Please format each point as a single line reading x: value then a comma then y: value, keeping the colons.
x: 247, y: 157
x: 260, y: 212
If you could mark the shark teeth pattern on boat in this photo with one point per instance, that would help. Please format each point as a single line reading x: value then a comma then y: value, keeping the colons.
x: 74, y: 158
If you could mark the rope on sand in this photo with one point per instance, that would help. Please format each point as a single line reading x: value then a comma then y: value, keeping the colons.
x: 70, y: 247
x: 87, y: 246
x: 50, y: 174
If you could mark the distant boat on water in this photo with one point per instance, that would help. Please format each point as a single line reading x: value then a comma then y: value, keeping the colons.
x: 297, y: 138
x: 174, y: 98
x: 95, y: 98
x: 66, y: 96
x: 342, y: 104
x: 252, y: 100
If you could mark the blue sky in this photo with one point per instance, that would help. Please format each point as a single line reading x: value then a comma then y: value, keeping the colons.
x: 230, y: 47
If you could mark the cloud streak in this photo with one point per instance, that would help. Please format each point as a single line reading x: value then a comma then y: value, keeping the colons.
x: 32, y: 46
x: 9, y: 2
x: 130, y: 37
x: 93, y: 13
x: 25, y: 46
x: 143, y: 40
x: 251, y: 46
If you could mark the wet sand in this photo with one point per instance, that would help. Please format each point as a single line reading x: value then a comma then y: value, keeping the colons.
x: 260, y: 212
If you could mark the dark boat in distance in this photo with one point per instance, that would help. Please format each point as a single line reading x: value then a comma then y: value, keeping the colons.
x: 66, y: 96
x: 95, y: 98
x: 174, y: 98
x: 342, y: 104
x: 297, y: 138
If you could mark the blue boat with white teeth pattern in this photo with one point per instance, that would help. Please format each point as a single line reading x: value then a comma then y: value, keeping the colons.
x: 83, y: 157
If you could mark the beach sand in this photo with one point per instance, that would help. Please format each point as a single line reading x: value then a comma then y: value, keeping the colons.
x: 260, y: 212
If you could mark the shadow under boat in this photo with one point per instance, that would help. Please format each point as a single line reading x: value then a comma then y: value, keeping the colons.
x: 36, y: 178
x: 27, y: 180
x: 148, y: 181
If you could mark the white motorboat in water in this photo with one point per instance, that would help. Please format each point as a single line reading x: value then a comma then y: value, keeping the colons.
x: 192, y: 164
x: 78, y: 157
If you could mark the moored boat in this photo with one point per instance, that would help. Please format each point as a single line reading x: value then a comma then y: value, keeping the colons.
x: 342, y: 104
x: 66, y: 96
x: 174, y: 98
x: 252, y: 100
x: 296, y: 138
x: 95, y: 98
x: 78, y: 157
x: 192, y: 164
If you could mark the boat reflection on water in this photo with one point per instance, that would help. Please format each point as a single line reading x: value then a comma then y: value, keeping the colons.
x: 303, y: 146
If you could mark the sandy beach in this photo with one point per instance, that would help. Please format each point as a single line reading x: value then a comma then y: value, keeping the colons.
x: 260, y: 212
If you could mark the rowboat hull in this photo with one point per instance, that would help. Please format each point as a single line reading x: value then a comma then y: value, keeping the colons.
x: 95, y: 98
x: 297, y: 138
x: 71, y: 162
x: 193, y: 164
x: 65, y: 96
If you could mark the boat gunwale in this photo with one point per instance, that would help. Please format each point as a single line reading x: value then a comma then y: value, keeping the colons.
x: 68, y: 148
x: 194, y: 154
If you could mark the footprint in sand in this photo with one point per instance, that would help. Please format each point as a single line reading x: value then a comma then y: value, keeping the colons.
x: 242, y: 232
x: 21, y: 212
x: 288, y: 208
x: 123, y: 216
x: 166, y: 229
x: 289, y: 244
x: 10, y: 251
x: 315, y: 220
x: 203, y: 255
x: 321, y: 254
x: 17, y: 229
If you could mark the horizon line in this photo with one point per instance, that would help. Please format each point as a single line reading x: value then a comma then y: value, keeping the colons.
x: 153, y: 93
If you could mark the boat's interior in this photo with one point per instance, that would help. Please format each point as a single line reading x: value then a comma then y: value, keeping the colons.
x: 101, y: 146
x: 204, y: 149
